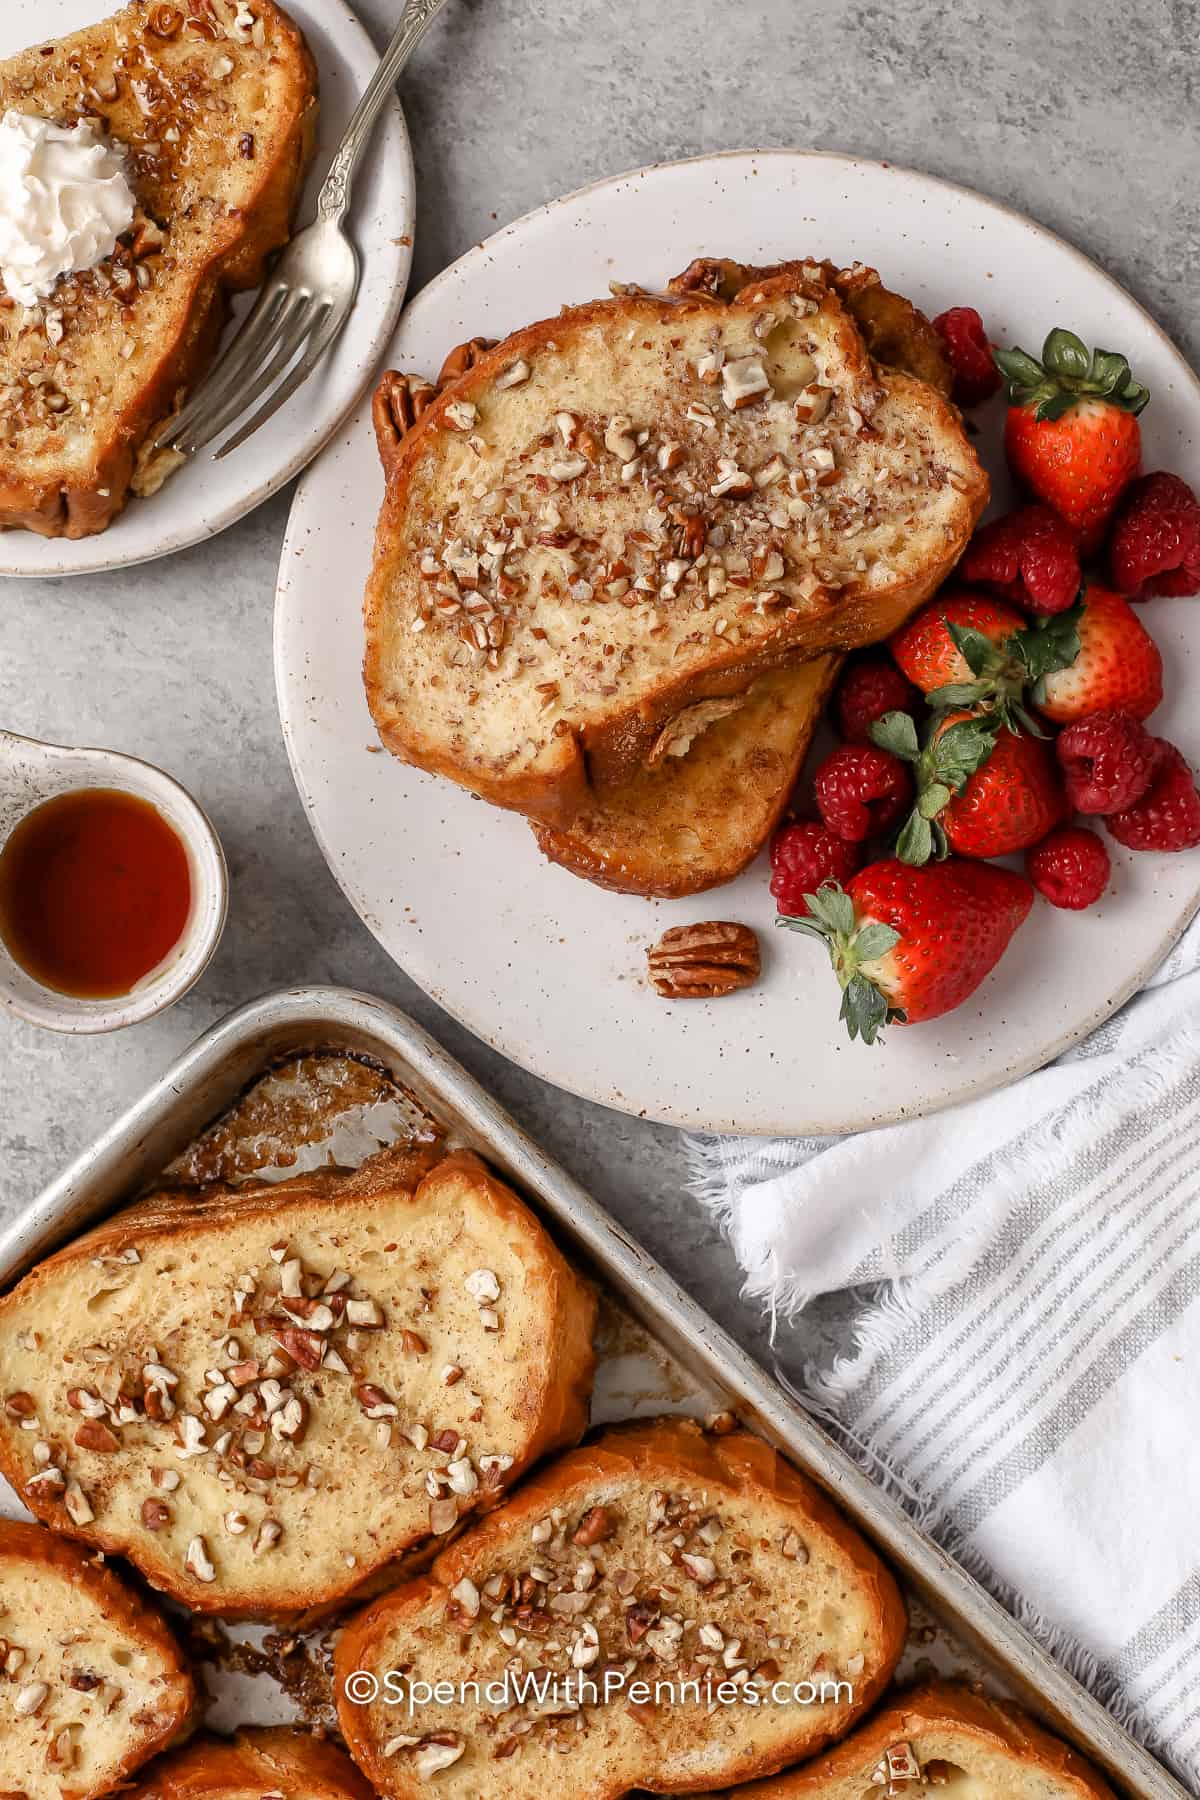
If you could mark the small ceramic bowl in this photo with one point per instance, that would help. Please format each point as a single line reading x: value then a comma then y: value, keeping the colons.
x: 31, y: 772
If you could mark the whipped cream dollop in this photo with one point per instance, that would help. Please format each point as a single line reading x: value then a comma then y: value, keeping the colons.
x: 64, y: 202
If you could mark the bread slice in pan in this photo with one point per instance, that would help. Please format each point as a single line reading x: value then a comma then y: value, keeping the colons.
x: 702, y: 808
x: 264, y: 1397
x: 214, y: 103
x: 639, y: 505
x: 253, y: 1765
x: 942, y: 1740
x: 654, y: 1553
x: 92, y: 1684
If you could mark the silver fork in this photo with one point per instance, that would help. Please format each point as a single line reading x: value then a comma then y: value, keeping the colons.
x: 309, y: 294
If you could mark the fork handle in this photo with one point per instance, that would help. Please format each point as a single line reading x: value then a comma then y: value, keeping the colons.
x: 334, y: 198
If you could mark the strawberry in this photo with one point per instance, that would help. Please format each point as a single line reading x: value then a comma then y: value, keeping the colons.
x: 974, y: 651
x: 910, y: 944
x: 1071, y: 433
x: 983, y: 788
x: 1118, y: 668
x: 925, y: 648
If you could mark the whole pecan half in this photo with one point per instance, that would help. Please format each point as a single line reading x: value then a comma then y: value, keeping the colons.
x: 701, y: 962
x: 462, y: 358
x: 399, y: 402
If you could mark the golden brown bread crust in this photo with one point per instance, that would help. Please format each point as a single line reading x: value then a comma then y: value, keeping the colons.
x: 990, y: 1725
x: 554, y: 786
x: 685, y: 824
x: 131, y: 1618
x: 897, y: 333
x: 253, y: 1764
x: 657, y: 1453
x: 547, y: 1406
x: 78, y: 502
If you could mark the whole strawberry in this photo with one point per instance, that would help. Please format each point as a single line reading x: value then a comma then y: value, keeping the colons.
x: 1071, y: 433
x: 803, y: 857
x: 1029, y: 557
x: 911, y: 944
x: 983, y: 789
x: 1117, y: 669
x: 925, y: 648
x: 1155, y: 543
x: 966, y: 649
x: 1167, y: 817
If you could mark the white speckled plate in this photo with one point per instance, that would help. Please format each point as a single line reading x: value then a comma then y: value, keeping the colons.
x: 207, y: 496
x: 551, y: 970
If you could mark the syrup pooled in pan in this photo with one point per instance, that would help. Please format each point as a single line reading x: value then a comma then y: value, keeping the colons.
x: 95, y: 892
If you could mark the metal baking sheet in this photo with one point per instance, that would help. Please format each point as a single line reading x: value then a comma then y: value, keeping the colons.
x: 660, y: 1351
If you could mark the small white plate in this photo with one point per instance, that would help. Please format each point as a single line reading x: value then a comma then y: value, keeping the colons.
x: 552, y: 970
x: 207, y: 496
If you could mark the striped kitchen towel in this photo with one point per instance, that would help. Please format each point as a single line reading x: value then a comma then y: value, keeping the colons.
x: 1023, y: 1367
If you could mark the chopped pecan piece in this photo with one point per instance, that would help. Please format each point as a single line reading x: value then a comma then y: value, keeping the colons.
x: 595, y: 1527
x: 93, y: 1434
x: 702, y: 962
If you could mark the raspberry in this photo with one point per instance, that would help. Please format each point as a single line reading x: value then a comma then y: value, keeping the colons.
x: 1155, y: 542
x: 1070, y: 867
x: 1106, y: 760
x: 866, y: 691
x: 976, y: 376
x: 862, y: 791
x: 802, y: 857
x: 1167, y: 817
x: 1030, y: 557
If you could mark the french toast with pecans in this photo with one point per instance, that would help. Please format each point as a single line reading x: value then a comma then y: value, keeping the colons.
x: 655, y: 1554
x: 941, y: 1740
x: 700, y: 810
x: 267, y: 1396
x: 270, y: 1761
x: 638, y: 506
x: 214, y: 104
x: 92, y: 1684
x: 716, y: 784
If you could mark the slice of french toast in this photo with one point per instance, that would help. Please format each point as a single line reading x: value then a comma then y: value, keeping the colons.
x: 703, y: 807
x: 214, y: 105
x: 266, y: 1396
x: 656, y: 1554
x: 699, y: 815
x: 92, y: 1684
x: 943, y: 1740
x: 267, y: 1763
x: 639, y: 505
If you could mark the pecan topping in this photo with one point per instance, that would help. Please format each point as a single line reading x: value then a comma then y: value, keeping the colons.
x: 399, y: 402
x: 155, y: 1514
x: 462, y: 358
x: 93, y: 1434
x: 702, y: 962
x: 594, y: 1527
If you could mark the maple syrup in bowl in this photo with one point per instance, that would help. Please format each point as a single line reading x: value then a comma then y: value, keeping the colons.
x: 112, y: 887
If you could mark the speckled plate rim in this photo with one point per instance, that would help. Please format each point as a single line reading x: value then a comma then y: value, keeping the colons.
x: 206, y: 498
x: 520, y: 1046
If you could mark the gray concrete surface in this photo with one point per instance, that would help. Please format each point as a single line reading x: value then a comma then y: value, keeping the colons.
x: 1083, y: 115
